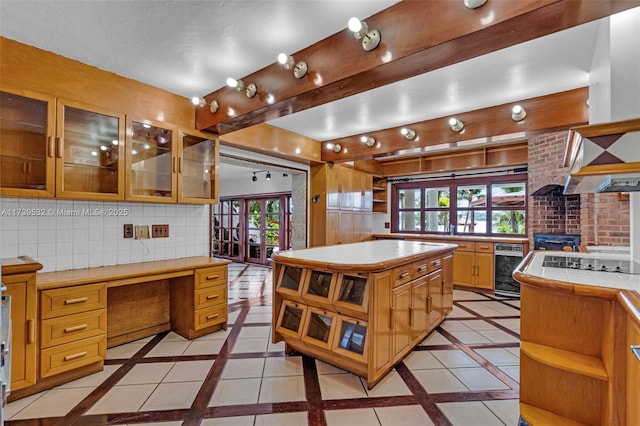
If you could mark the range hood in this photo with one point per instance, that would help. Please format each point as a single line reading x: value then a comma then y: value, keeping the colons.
x: 603, y: 158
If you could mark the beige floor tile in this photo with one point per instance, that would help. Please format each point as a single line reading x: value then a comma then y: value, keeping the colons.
x: 275, y: 347
x: 512, y: 324
x: 282, y: 419
x: 260, y: 310
x: 391, y: 385
x: 283, y: 366
x: 435, y: 338
x: 454, y: 358
x: 172, y: 396
x: 439, y: 381
x: 92, y: 380
x: 216, y: 335
x: 422, y: 360
x: 53, y: 403
x: 459, y: 313
x: 405, y: 415
x: 204, y: 347
x: 254, y: 318
x: 470, y: 337
x: 513, y: 351
x: 122, y: 399
x: 341, y: 386
x: 512, y: 371
x: 469, y: 414
x: 499, y: 336
x: 282, y: 389
x: 168, y: 349
x: 243, y: 368
x: 174, y: 337
x: 467, y: 295
x: 324, y: 368
x: 478, y: 325
x: 229, y: 421
x: 250, y: 345
x: 146, y: 373
x: 125, y: 351
x: 477, y: 378
x: 498, y: 356
x: 188, y: 371
x: 454, y: 325
x: 358, y: 416
x: 179, y: 423
x: 254, y: 332
x: 235, y: 392
x: 507, y: 410
x: 12, y: 408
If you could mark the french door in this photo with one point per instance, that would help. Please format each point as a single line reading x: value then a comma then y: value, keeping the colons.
x: 264, y: 226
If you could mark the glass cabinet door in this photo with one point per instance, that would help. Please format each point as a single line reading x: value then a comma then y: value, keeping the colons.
x: 151, y: 162
x: 290, y: 281
x: 290, y: 319
x: 351, y: 338
x: 27, y: 157
x: 319, y: 328
x: 352, y: 295
x: 89, y: 146
x: 319, y: 287
x: 197, y: 168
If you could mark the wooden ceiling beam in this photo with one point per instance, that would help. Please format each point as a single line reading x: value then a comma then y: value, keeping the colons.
x: 417, y: 37
x: 555, y: 112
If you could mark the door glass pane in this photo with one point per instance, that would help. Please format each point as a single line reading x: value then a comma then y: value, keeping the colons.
x: 352, y: 337
x: 507, y: 221
x: 436, y: 221
x: 472, y: 221
x: 198, y: 167
x: 151, y: 160
x: 472, y: 196
x: 23, y: 150
x: 409, y: 198
x: 352, y: 290
x: 319, y: 326
x: 409, y: 221
x: 320, y: 283
x: 90, y: 151
x: 508, y: 194
x: 272, y: 230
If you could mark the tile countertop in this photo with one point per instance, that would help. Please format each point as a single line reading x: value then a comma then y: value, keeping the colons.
x: 613, y: 280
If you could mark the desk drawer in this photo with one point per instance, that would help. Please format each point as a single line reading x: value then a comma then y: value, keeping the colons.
x: 59, y: 359
x: 210, y: 276
x: 69, y: 328
x: 210, y: 316
x: 210, y: 296
x: 72, y: 300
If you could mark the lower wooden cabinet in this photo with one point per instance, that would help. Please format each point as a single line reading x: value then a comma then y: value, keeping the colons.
x: 633, y: 371
x: 473, y: 265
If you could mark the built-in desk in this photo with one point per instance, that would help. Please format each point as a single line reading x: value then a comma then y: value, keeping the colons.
x: 83, y: 312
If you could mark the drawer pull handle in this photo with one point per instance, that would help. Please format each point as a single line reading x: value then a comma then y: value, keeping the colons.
x: 75, y: 328
x: 212, y: 296
x: 74, y: 301
x: 75, y: 356
x: 422, y: 268
x: 213, y: 277
x: 209, y: 317
x: 636, y: 351
x: 484, y: 247
x: 404, y: 275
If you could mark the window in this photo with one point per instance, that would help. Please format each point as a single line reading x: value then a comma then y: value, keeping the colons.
x: 480, y: 206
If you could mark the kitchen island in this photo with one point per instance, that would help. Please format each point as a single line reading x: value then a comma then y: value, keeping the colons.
x: 363, y: 306
x: 580, y: 322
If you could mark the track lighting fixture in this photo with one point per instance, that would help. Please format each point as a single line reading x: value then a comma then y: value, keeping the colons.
x: 254, y: 178
x: 268, y: 176
x: 202, y: 102
x: 250, y: 90
x: 368, y: 140
x: 408, y: 133
x: 518, y: 113
x: 456, y: 125
x: 335, y: 147
x: 287, y: 61
x: 360, y: 29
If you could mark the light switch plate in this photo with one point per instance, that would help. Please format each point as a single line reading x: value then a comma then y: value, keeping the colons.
x: 142, y: 232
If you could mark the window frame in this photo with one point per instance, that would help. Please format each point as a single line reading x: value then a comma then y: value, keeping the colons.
x: 453, y: 209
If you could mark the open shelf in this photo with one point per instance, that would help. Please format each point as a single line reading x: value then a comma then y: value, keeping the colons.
x: 538, y: 416
x: 565, y: 360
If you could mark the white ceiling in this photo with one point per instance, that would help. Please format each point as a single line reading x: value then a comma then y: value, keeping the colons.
x: 190, y: 47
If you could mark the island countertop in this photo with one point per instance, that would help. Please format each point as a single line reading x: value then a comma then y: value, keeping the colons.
x: 367, y: 256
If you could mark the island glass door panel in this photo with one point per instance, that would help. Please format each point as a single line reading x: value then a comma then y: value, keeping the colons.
x: 152, y: 162
x: 27, y: 153
x: 197, y: 163
x: 89, y: 147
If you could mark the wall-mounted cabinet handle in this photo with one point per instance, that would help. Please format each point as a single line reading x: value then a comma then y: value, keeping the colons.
x: 75, y: 356
x: 74, y: 301
x: 31, y: 331
x: 49, y: 147
x: 75, y: 328
x: 174, y: 164
x: 636, y: 351
x: 179, y: 164
x: 59, y: 147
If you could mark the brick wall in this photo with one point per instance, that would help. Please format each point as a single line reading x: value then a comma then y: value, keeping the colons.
x: 600, y: 219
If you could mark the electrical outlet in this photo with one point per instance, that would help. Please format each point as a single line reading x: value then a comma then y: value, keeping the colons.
x: 128, y: 230
x: 159, y: 231
x: 142, y: 232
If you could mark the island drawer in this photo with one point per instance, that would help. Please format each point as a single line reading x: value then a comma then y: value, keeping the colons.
x: 401, y: 275
x: 57, y: 331
x: 72, y: 300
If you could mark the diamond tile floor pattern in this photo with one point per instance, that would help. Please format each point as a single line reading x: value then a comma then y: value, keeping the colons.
x: 464, y: 373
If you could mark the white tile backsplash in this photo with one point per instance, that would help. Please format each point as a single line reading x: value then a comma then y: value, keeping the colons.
x: 60, y: 241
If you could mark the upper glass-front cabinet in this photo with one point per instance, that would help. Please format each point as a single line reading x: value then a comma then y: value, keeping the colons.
x: 88, y: 152
x: 197, y: 168
x: 27, y: 151
x: 151, y: 162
